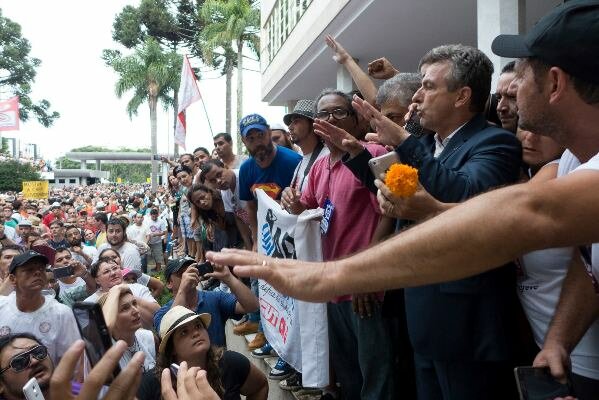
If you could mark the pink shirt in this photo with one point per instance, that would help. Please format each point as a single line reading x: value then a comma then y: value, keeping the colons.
x: 356, y: 214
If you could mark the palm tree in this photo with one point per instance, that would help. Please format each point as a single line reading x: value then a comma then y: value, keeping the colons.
x: 228, y: 22
x: 151, y: 74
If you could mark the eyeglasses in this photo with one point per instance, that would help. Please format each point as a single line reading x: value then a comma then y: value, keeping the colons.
x: 111, y: 270
x: 21, y: 361
x: 338, y: 113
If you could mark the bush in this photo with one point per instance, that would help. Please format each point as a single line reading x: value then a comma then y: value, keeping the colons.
x: 13, y: 173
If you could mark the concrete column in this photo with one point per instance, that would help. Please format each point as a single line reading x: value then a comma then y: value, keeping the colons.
x: 344, y: 80
x: 290, y: 105
x: 83, y: 164
x: 98, y: 165
x: 496, y: 17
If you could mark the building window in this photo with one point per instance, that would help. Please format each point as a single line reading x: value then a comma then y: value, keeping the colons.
x: 72, y: 180
x: 61, y: 181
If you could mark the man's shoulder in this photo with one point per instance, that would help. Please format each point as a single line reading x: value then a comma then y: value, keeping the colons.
x: 286, y: 155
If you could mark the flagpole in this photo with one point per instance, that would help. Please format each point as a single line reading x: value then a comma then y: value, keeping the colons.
x: 207, y: 117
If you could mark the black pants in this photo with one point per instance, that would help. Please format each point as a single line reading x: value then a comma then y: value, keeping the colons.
x: 585, y: 388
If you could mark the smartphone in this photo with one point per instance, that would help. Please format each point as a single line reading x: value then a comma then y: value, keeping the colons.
x: 413, y: 125
x: 32, y: 390
x: 204, y: 268
x: 63, y: 272
x: 174, y: 370
x: 379, y: 165
x: 94, y: 332
x: 538, y: 384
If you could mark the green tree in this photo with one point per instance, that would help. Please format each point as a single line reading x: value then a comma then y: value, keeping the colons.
x: 227, y: 22
x: 151, y: 74
x: 13, y: 173
x: 17, y: 73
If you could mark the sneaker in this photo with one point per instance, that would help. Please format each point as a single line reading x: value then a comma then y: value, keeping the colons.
x: 264, y: 351
x: 246, y: 328
x: 258, y: 342
x: 294, y: 382
x: 280, y: 371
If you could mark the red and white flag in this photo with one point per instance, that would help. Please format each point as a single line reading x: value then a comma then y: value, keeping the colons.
x: 9, y: 114
x: 188, y: 93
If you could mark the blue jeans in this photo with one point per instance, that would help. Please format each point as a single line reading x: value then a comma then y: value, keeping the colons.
x: 363, y: 352
x: 255, y: 316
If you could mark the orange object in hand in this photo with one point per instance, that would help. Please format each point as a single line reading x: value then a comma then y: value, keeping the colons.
x: 402, y: 180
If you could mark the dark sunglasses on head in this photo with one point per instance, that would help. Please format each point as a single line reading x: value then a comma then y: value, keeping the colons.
x: 21, y: 361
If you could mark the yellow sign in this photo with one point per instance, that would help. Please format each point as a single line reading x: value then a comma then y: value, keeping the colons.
x: 119, y: 180
x: 35, y: 190
x: 148, y: 180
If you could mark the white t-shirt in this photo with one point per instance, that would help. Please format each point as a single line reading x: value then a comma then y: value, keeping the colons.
x: 156, y: 226
x: 139, y: 291
x: 130, y: 257
x: 230, y: 197
x: 89, y: 251
x: 144, y: 343
x: 540, y: 286
x: 53, y: 323
x: 301, y: 176
x: 66, y: 286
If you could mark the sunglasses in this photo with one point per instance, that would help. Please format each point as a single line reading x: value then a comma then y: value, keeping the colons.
x: 21, y: 361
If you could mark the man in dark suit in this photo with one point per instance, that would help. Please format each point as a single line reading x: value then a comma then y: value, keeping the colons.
x: 461, y: 331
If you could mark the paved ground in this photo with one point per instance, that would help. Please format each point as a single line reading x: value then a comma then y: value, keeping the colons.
x: 239, y: 344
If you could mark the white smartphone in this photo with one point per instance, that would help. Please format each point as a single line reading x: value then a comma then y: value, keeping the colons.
x: 32, y: 390
x: 379, y: 165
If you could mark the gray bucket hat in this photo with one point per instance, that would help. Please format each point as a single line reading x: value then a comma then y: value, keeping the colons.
x: 304, y: 108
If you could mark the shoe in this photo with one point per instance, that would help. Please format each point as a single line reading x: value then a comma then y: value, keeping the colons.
x: 264, y: 351
x: 246, y: 328
x: 280, y: 371
x: 294, y: 382
x: 258, y: 342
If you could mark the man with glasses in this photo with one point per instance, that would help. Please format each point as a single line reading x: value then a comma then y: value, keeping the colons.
x: 22, y: 357
x: 27, y: 310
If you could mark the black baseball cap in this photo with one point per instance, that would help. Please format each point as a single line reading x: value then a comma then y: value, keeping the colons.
x: 567, y: 37
x: 24, y: 258
x: 175, y: 265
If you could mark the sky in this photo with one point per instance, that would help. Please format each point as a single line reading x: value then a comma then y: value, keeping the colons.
x: 68, y: 37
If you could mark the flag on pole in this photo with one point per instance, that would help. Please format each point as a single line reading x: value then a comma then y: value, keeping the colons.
x: 188, y: 93
x: 9, y: 114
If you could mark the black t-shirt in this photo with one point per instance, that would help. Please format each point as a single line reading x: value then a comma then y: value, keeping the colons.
x: 235, y: 368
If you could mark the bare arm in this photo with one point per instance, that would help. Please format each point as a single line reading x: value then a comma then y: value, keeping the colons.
x: 252, y: 209
x: 246, y: 300
x: 466, y: 237
x: 361, y: 78
x: 147, y: 310
x: 577, y: 309
x: 255, y: 386
x: 155, y: 285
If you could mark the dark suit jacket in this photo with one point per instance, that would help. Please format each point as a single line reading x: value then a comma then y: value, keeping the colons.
x: 472, y: 318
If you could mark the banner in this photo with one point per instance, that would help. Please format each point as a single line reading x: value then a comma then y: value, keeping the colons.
x: 35, y: 190
x: 297, y: 330
x: 9, y: 114
x: 188, y: 94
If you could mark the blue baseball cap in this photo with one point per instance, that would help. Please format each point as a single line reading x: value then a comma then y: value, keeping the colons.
x: 252, y: 121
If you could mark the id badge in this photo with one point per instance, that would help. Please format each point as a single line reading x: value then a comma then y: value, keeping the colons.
x: 325, y: 222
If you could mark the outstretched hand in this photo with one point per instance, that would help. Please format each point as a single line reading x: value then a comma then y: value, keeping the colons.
x: 388, y: 132
x: 192, y: 384
x: 340, y: 55
x: 290, y: 277
x: 338, y: 137
x: 124, y: 386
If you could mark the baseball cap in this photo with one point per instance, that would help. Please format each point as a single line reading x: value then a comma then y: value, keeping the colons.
x: 566, y: 38
x: 175, y: 265
x: 252, y: 121
x: 55, y: 205
x: 24, y: 258
x: 303, y: 108
x: 25, y: 222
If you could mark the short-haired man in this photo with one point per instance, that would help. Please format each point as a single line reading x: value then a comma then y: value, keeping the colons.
x: 185, y: 176
x: 156, y: 231
x: 55, y: 213
x: 116, y: 238
x: 58, y: 235
x: 22, y: 357
x: 7, y: 253
x: 82, y: 252
x: 27, y: 310
x: 223, y: 144
x: 182, y: 279
x: 138, y: 232
x: 507, y: 111
x: 100, y: 220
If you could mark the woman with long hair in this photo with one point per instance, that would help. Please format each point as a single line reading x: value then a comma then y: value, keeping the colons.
x: 184, y: 338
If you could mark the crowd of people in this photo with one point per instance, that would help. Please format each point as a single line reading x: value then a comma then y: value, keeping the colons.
x: 443, y: 310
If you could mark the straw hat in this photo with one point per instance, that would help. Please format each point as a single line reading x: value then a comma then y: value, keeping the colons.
x: 175, y: 317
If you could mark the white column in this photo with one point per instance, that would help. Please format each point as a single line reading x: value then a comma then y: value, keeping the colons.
x: 344, y: 80
x: 495, y: 17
